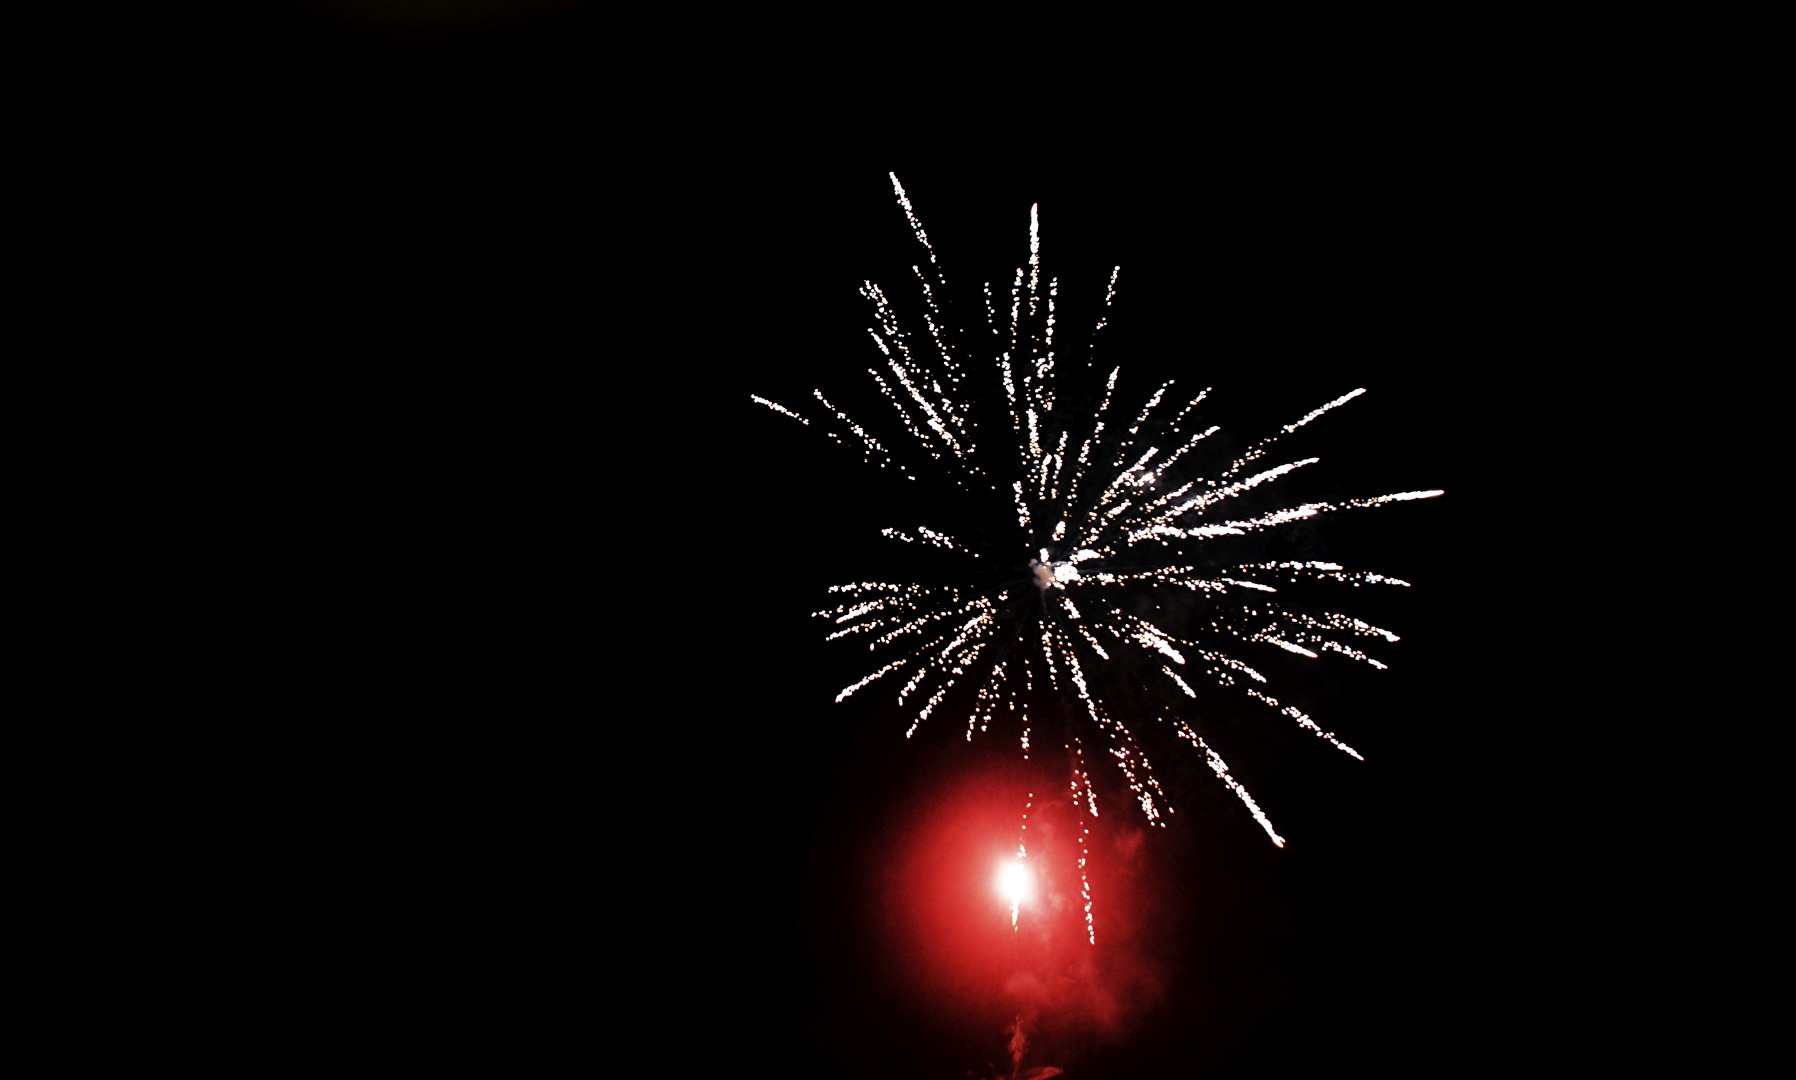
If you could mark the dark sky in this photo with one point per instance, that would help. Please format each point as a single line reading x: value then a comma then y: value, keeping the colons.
x: 566, y: 284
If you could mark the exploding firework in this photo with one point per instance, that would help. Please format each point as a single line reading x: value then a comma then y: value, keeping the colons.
x: 1086, y: 550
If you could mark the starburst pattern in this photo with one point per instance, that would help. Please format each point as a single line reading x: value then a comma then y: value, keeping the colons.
x: 1117, y: 522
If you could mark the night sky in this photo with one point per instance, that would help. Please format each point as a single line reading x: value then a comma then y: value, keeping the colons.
x: 566, y: 286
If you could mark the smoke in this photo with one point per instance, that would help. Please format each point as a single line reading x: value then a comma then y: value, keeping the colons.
x: 1019, y: 1047
x: 944, y: 948
x: 1018, y: 1044
x: 1069, y: 995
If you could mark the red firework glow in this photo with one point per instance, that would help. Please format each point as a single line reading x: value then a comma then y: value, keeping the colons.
x: 979, y: 936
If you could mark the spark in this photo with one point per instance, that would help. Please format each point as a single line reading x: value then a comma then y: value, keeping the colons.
x: 1117, y: 597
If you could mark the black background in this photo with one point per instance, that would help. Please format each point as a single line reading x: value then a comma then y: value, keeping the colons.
x: 526, y: 273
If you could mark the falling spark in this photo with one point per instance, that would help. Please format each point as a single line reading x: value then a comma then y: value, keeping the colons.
x: 1111, y: 519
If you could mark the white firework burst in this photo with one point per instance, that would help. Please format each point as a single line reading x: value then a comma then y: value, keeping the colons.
x: 1111, y: 528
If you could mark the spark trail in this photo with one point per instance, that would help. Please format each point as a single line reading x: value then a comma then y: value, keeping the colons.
x: 1118, y: 593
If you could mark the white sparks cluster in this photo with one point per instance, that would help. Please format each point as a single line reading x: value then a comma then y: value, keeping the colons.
x: 1108, y: 514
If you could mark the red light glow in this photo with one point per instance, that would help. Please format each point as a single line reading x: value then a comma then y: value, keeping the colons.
x: 963, y: 934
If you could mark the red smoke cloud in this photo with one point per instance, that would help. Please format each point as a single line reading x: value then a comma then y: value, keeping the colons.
x: 947, y: 936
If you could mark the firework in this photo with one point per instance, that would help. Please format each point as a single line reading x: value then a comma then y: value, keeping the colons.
x: 1093, y: 565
